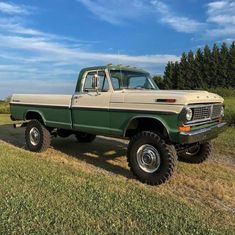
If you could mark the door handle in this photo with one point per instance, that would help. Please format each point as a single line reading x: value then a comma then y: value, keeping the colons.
x: 76, y: 97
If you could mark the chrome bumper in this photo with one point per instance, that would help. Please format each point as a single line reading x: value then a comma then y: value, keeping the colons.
x: 202, y: 134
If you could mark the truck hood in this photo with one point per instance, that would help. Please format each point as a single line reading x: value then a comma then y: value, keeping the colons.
x: 182, y: 97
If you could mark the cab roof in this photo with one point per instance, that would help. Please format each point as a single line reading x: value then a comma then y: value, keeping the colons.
x: 110, y: 67
x: 115, y: 67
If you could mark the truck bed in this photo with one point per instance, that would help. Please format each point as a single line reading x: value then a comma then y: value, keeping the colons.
x: 54, y: 108
x: 45, y: 100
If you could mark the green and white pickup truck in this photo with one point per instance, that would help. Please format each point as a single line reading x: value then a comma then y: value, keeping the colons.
x: 124, y: 102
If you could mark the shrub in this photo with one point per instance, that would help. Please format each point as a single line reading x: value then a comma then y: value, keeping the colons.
x: 4, y: 108
x: 224, y: 92
x: 230, y: 110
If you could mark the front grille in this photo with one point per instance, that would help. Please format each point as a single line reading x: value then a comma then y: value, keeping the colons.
x: 216, y: 113
x: 200, y: 113
x: 206, y: 112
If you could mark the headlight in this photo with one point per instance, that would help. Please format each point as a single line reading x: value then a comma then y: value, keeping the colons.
x: 222, y: 111
x: 189, y: 114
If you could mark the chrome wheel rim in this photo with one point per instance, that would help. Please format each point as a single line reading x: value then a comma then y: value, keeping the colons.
x: 148, y: 158
x: 34, y: 136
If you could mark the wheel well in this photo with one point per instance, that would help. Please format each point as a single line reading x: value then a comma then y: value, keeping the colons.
x: 34, y: 115
x: 145, y: 124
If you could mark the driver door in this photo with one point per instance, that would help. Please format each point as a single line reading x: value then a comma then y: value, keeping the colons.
x: 90, y: 107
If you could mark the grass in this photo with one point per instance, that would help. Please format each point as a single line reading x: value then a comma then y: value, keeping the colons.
x: 230, y: 110
x: 229, y: 101
x: 88, y: 189
x: 224, y: 92
x: 5, y: 119
x: 4, y: 108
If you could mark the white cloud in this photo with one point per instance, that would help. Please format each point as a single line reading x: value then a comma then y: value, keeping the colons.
x: 61, y: 52
x: 116, y: 11
x: 182, y: 24
x: 136, y: 9
x: 223, y: 32
x: 45, y: 62
x: 220, y: 22
x: 35, y: 86
x: 11, y: 8
x: 221, y: 17
x: 178, y: 23
x: 221, y: 12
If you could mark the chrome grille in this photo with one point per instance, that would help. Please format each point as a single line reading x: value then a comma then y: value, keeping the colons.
x: 216, y: 113
x: 205, y: 112
x: 200, y: 113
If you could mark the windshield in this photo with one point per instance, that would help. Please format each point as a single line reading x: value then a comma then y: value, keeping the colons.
x: 124, y: 79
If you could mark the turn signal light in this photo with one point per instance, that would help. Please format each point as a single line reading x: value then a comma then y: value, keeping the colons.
x: 184, y: 128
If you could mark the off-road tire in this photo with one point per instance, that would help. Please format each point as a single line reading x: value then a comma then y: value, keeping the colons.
x: 202, y: 155
x: 167, y: 154
x: 84, y: 137
x: 44, y: 141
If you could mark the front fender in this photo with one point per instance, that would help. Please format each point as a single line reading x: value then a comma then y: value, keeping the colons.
x: 152, y: 117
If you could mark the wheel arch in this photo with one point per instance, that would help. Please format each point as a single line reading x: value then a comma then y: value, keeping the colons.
x: 34, y: 114
x: 141, y: 123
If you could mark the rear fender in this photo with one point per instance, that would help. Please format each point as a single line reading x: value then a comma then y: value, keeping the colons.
x: 36, y: 112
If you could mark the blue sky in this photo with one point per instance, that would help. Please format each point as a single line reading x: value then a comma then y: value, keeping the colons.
x: 44, y: 44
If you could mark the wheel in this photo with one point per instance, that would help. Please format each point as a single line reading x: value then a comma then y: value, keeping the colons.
x: 150, y: 159
x: 197, y: 154
x: 38, y: 138
x: 84, y: 137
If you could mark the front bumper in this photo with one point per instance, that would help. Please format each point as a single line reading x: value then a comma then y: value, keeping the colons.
x: 202, y: 134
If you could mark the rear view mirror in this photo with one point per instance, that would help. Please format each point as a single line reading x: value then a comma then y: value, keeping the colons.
x: 96, y: 82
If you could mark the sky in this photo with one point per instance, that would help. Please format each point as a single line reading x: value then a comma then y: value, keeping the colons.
x: 44, y: 44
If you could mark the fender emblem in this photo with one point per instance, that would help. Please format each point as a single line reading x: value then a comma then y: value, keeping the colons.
x: 166, y: 100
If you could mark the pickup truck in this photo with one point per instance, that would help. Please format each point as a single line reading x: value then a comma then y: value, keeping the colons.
x: 124, y: 102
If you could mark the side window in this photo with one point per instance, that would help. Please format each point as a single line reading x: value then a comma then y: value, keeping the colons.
x: 104, y: 87
x: 88, y: 82
x: 137, y: 82
x: 116, y: 83
x: 117, y: 78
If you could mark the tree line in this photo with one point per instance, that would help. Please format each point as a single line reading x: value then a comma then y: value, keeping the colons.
x: 206, y: 68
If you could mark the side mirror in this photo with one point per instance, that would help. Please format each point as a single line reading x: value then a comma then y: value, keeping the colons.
x: 96, y: 83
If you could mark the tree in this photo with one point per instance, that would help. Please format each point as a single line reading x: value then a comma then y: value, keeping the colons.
x: 159, y: 81
x: 183, y: 70
x: 190, y: 79
x: 7, y: 99
x: 206, y: 66
x: 168, y: 75
x: 214, y: 70
x: 206, y: 69
x: 198, y: 66
x: 231, y: 66
x: 176, y: 70
x: 223, y: 66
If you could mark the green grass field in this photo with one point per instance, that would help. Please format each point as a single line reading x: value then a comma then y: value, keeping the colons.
x: 4, y: 108
x: 88, y: 189
x: 230, y: 110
